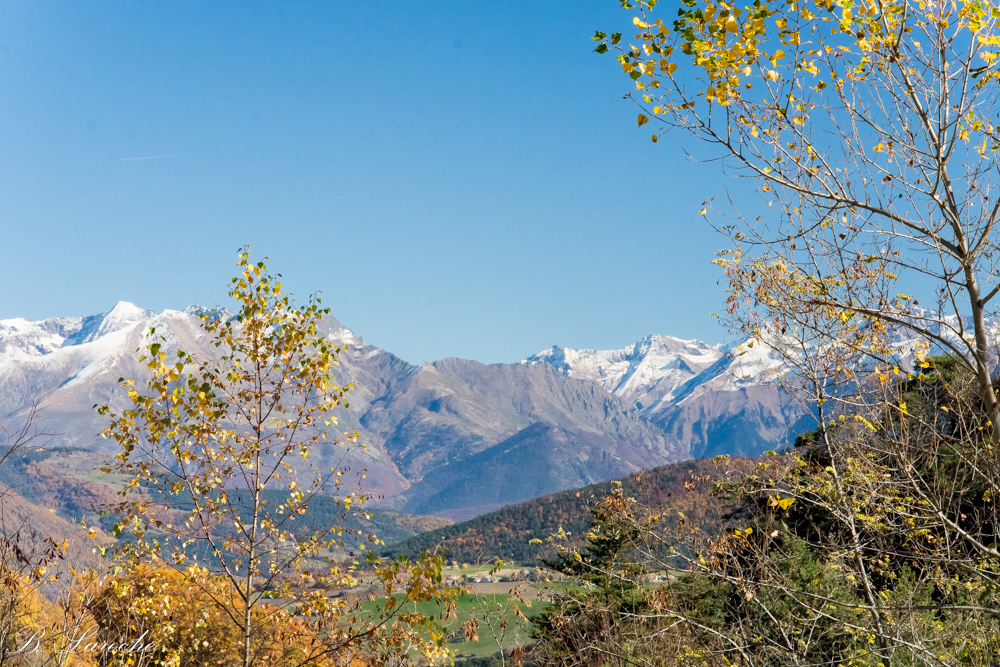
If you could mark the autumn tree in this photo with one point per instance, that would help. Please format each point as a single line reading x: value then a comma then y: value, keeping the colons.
x: 868, y: 127
x: 217, y: 452
x: 869, y: 546
x: 29, y: 559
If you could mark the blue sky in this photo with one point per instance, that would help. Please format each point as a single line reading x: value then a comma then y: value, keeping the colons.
x: 458, y: 179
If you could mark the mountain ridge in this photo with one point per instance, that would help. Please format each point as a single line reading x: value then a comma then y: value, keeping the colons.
x: 453, y: 437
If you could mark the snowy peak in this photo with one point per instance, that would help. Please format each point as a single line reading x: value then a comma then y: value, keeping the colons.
x: 20, y: 338
x: 656, y: 400
x: 123, y: 316
x: 643, y: 373
x: 337, y: 333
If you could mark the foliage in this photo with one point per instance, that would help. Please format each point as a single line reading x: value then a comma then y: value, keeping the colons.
x: 217, y: 453
x: 855, y: 548
x: 498, y: 659
x: 580, y: 621
x: 29, y: 560
x: 501, y: 619
x: 867, y: 125
x: 26, y: 560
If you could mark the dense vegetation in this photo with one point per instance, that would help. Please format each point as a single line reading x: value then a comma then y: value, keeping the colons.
x: 828, y: 554
x: 507, y: 533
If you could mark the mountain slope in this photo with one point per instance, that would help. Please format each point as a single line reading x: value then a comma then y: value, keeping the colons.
x: 644, y: 374
x: 452, y: 409
x: 539, y: 460
x: 506, y: 533
x: 71, y: 364
x: 707, y: 402
x: 416, y: 420
x: 454, y: 437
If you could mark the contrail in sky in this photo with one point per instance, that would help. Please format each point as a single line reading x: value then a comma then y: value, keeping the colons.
x: 151, y: 157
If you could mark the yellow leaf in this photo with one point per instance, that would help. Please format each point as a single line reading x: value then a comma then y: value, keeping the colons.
x: 703, y: 211
x: 643, y: 120
x: 772, y: 75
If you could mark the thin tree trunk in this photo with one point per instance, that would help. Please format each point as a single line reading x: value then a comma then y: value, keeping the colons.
x: 982, y: 353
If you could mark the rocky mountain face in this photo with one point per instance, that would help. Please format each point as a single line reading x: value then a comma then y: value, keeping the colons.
x: 645, y: 374
x: 454, y: 438
x: 708, y: 400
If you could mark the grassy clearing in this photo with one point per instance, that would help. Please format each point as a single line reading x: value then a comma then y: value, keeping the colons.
x: 476, y: 605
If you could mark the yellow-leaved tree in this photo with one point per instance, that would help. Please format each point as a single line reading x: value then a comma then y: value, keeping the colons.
x: 217, y: 455
x: 869, y: 127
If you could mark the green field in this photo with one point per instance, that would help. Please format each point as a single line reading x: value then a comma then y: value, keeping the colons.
x: 476, y: 606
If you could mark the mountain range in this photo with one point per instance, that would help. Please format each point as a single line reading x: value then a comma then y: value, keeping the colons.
x: 454, y: 438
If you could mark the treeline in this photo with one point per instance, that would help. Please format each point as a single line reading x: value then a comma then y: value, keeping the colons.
x: 512, y: 534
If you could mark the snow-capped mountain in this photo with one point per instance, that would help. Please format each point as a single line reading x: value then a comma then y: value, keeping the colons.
x: 70, y: 364
x: 657, y: 372
x: 436, y: 432
x: 440, y: 435
x: 712, y: 399
x: 645, y: 373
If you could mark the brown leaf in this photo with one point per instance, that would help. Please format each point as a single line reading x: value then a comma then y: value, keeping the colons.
x: 469, y: 630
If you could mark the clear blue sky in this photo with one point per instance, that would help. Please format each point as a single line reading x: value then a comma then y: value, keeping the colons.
x: 458, y: 178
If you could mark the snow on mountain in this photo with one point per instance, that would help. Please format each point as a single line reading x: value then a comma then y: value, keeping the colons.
x: 21, y: 338
x: 419, y: 423
x: 435, y: 431
x: 123, y: 316
x: 660, y: 373
x: 657, y: 373
x: 70, y: 363
x: 645, y: 373
x: 709, y: 399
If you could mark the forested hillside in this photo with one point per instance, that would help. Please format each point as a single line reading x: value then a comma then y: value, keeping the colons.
x: 681, y: 489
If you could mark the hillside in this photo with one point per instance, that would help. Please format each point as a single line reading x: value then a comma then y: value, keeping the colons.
x: 52, y: 491
x: 505, y: 533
